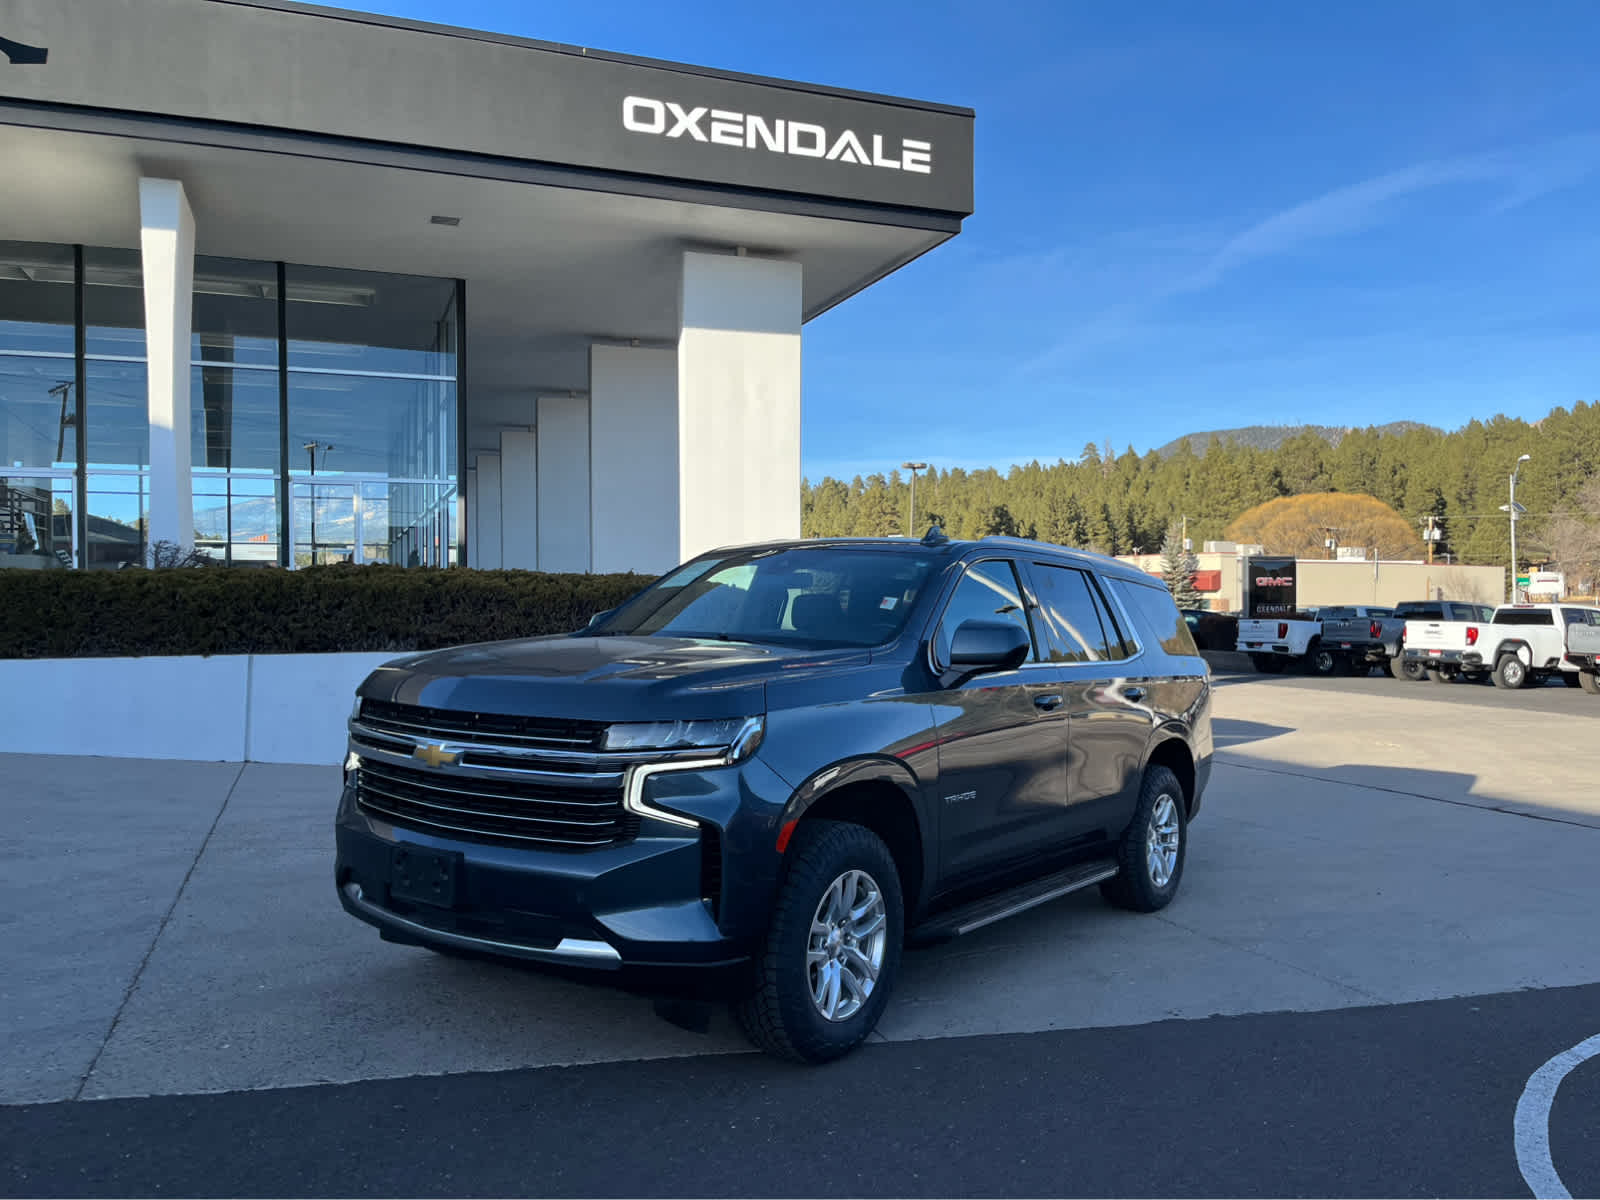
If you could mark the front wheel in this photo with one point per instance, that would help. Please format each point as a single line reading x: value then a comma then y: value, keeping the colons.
x: 1154, y: 847
x: 828, y: 964
x: 1413, y: 669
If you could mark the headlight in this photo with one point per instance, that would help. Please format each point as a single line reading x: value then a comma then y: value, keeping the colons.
x: 740, y: 735
x: 355, y: 709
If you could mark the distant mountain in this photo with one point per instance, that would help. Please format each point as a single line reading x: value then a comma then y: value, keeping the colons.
x: 1270, y: 437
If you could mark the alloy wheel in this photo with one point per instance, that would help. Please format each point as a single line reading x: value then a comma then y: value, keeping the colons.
x: 844, y: 954
x: 1161, y: 845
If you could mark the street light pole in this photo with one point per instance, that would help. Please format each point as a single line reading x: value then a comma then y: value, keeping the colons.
x: 311, y: 448
x: 1514, y: 509
x: 911, y: 517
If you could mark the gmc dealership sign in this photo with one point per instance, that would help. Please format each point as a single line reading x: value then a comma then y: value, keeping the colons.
x: 801, y: 139
x: 1270, y: 586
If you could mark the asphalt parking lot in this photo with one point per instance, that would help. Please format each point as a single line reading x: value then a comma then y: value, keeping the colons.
x: 1386, y: 928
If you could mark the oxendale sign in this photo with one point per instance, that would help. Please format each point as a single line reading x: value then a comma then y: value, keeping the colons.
x: 1270, y: 587
x: 801, y: 139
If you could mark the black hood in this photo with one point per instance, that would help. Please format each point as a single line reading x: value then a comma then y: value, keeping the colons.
x: 599, y: 678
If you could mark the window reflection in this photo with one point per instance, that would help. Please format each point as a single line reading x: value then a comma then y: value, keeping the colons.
x: 118, y: 510
x: 36, y: 526
x: 117, y: 400
x: 113, y: 302
x: 38, y: 412
x: 36, y: 298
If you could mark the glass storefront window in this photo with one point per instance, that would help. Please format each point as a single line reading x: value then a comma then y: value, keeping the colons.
x: 118, y: 507
x: 376, y: 426
x: 367, y: 321
x: 113, y: 302
x: 38, y: 412
x: 372, y: 422
x: 118, y: 414
x: 36, y: 298
x: 235, y: 312
x: 236, y: 517
x: 36, y: 527
x: 233, y: 418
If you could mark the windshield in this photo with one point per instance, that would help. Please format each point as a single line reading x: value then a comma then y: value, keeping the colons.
x: 816, y: 598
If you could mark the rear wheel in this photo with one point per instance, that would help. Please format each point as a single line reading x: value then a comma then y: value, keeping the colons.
x: 1154, y: 847
x: 1320, y: 660
x: 829, y: 960
x: 1510, y: 672
x: 1412, y: 669
x: 1589, y: 682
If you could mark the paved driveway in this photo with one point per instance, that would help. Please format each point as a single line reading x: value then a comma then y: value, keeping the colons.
x: 170, y: 929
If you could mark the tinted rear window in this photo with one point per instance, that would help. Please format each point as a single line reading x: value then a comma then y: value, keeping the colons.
x: 1421, y: 612
x: 1523, y: 616
x: 1157, y: 616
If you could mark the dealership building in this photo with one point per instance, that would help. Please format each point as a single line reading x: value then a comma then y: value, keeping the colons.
x: 293, y: 284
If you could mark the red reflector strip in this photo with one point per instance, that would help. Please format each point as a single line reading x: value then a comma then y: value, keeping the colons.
x: 785, y: 833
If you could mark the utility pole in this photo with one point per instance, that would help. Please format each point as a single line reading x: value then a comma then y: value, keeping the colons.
x: 1431, y: 536
x: 1331, y: 542
x: 1515, y: 510
x: 911, y: 516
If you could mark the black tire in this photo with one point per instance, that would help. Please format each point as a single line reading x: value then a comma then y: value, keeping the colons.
x: 1267, y: 664
x: 1319, y: 660
x: 1589, y: 681
x: 1133, y: 887
x: 1572, y: 679
x: 1411, y: 669
x: 1510, y: 672
x: 778, y: 1014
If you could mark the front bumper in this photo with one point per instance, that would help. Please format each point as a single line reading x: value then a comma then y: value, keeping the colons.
x: 674, y: 906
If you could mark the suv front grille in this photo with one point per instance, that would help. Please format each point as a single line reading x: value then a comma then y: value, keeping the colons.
x: 442, y: 724
x: 507, y: 811
x: 507, y: 780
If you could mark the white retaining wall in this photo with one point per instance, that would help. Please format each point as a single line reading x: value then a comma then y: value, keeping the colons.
x: 278, y: 708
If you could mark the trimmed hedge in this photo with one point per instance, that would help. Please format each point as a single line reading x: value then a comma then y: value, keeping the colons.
x: 215, y: 610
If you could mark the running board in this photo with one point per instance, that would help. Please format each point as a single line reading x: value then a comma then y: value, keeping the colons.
x: 944, y: 926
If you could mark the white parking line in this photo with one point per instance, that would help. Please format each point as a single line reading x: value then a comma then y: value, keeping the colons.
x: 1533, y: 1120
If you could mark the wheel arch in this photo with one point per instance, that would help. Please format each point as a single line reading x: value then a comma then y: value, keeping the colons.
x: 1172, y: 751
x: 880, y: 795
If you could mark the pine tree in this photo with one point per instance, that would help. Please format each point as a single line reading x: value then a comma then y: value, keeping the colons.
x: 1177, y: 570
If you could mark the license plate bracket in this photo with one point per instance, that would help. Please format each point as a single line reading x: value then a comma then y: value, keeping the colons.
x: 418, y: 875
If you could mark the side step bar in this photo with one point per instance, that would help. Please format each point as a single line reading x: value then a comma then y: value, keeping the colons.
x: 946, y: 925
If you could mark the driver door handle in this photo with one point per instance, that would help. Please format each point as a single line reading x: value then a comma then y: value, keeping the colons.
x: 1047, y: 703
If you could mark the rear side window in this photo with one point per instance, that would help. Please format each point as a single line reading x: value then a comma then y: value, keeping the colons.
x: 1082, y: 628
x: 1576, y: 616
x: 1421, y: 612
x: 1523, y: 616
x: 1157, y: 615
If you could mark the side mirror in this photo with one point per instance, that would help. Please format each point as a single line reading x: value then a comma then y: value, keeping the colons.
x: 598, y: 617
x: 988, y: 646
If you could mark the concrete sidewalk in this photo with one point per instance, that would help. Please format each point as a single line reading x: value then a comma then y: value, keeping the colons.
x: 171, y: 927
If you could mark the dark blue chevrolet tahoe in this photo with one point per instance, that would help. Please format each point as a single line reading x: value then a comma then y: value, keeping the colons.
x: 764, y: 775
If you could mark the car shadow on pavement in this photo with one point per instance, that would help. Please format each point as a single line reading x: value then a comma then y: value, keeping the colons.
x: 1227, y: 733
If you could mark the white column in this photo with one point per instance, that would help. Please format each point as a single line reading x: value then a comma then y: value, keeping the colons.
x: 487, y: 553
x: 633, y: 456
x: 519, y: 499
x: 166, y: 241
x: 564, y: 483
x: 738, y: 401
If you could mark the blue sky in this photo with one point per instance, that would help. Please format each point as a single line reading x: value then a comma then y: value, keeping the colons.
x: 1188, y: 216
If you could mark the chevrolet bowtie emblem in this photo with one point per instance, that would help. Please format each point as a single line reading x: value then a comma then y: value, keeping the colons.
x: 437, y: 756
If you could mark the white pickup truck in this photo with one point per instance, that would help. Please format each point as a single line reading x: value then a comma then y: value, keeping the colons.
x: 1520, y: 644
x: 1274, y: 643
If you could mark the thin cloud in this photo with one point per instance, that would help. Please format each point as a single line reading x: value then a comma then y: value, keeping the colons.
x: 1529, y: 174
